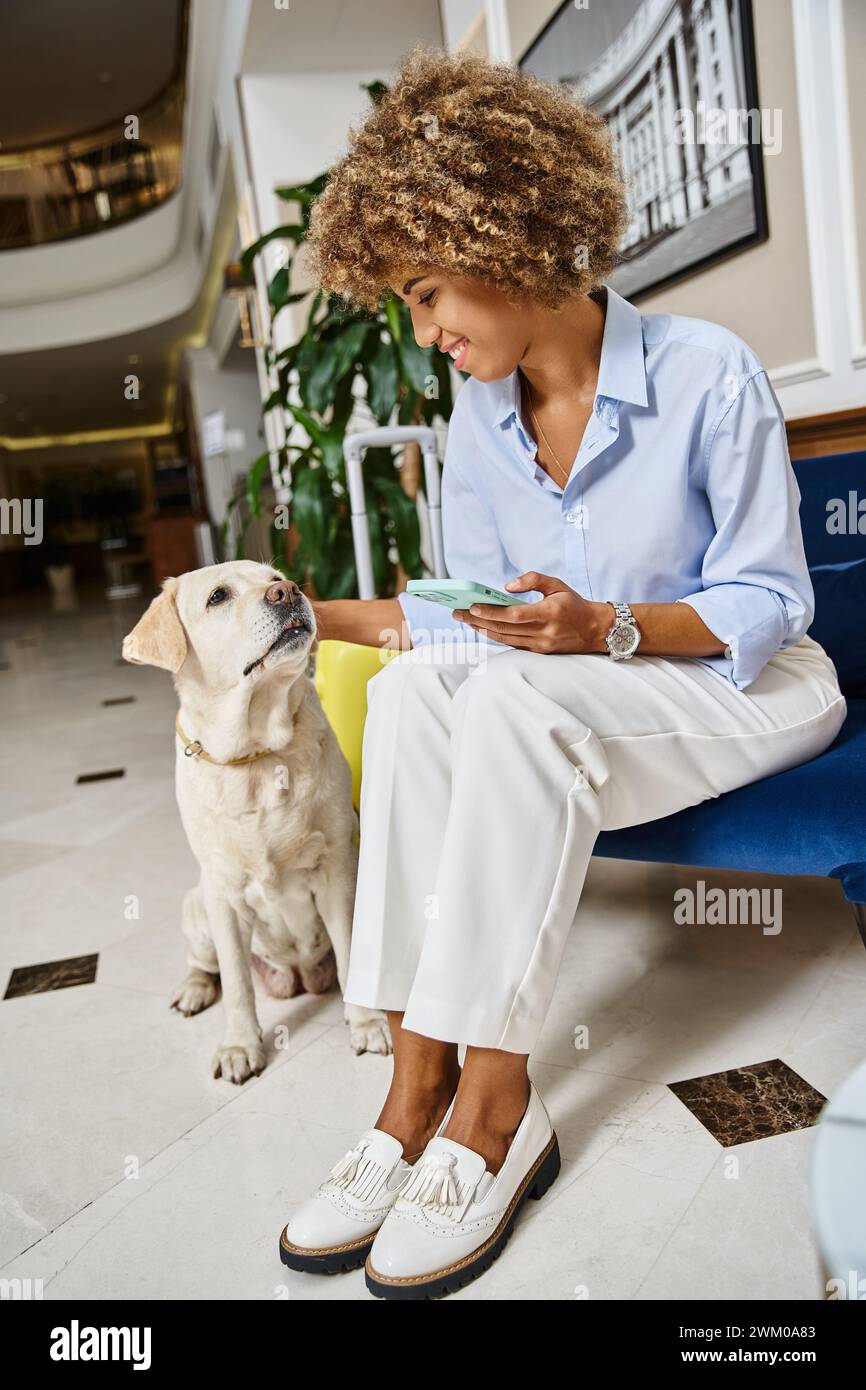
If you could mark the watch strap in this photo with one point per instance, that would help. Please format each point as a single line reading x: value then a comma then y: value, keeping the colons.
x: 623, y: 615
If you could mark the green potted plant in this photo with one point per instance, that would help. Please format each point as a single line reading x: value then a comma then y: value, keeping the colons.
x: 340, y: 354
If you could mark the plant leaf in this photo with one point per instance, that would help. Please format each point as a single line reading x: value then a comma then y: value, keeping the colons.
x: 335, y: 356
x: 417, y: 363
x: 305, y: 194
x: 295, y: 231
x: 383, y: 380
x: 310, y: 508
x: 375, y: 90
x: 328, y: 441
x: 259, y: 471
x: 404, y: 515
x: 279, y: 294
x: 391, y: 307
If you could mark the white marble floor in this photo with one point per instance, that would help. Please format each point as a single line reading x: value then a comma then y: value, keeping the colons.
x: 127, y: 1171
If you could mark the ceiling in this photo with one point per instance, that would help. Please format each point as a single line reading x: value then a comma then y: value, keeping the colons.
x: 50, y: 395
x: 330, y: 35
x: 64, y: 391
x: 68, y: 67
x: 80, y: 388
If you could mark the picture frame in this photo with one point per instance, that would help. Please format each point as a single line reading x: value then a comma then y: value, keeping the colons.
x: 694, y: 169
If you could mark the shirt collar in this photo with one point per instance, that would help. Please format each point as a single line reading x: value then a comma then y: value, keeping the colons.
x: 621, y: 371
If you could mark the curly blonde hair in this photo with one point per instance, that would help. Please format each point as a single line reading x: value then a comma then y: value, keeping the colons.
x: 477, y: 169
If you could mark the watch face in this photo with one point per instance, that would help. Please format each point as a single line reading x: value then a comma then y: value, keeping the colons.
x: 623, y: 639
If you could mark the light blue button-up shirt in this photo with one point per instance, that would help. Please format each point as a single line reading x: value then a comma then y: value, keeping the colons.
x: 682, y: 491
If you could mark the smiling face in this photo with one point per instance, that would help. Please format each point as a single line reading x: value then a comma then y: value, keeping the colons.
x: 483, y: 332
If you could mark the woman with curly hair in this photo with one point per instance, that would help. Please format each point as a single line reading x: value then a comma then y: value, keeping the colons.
x: 627, y: 477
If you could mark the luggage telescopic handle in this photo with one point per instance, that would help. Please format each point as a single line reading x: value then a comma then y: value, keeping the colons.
x: 354, y: 447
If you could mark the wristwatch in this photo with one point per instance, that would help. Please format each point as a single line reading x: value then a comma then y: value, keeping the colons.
x: 623, y: 639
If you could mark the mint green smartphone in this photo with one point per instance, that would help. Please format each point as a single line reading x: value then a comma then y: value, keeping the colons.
x: 460, y: 593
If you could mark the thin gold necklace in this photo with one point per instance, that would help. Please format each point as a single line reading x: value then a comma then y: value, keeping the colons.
x: 541, y: 431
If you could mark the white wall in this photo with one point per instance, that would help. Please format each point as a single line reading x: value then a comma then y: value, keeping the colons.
x: 236, y: 394
x: 296, y: 129
x: 458, y: 17
x: 798, y: 299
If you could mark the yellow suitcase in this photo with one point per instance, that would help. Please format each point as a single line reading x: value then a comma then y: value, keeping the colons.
x: 342, y: 672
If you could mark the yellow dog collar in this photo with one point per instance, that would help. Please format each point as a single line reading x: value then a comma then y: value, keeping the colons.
x: 193, y: 749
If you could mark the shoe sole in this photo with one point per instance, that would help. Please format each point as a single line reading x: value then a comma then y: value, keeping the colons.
x: 541, y: 1175
x: 332, y: 1259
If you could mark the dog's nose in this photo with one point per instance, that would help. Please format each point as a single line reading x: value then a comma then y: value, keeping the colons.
x: 286, y: 591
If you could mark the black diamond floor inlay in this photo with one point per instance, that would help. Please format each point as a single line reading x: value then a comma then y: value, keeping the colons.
x: 751, y: 1102
x: 101, y: 776
x: 51, y: 974
x: 120, y: 700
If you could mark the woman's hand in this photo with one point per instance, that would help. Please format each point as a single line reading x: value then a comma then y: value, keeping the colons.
x: 562, y: 621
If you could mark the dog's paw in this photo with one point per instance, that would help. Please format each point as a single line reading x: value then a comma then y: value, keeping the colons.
x: 368, y: 1030
x: 198, y: 991
x: 237, y: 1062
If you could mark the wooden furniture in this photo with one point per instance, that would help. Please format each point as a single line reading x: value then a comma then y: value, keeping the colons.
x: 171, y: 545
x: 840, y: 432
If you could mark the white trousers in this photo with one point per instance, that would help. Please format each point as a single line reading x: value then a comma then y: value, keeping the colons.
x: 486, y: 782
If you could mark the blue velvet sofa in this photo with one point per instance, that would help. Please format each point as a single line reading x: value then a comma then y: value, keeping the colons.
x: 811, y: 819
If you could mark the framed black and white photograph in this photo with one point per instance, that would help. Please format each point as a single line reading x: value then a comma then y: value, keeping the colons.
x: 675, y: 81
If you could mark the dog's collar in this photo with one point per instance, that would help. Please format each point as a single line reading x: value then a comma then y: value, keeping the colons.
x: 193, y: 749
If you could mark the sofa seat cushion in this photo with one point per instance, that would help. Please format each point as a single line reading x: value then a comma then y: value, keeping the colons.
x: 808, y: 820
x: 840, y: 620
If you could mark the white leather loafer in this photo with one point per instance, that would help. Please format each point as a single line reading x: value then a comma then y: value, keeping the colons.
x: 452, y: 1218
x: 333, y: 1229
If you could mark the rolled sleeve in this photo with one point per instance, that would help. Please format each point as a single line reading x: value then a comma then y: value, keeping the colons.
x: 756, y: 593
x: 751, y: 621
x: 470, y: 541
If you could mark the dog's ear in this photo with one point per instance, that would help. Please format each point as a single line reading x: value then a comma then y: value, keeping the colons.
x: 158, y: 638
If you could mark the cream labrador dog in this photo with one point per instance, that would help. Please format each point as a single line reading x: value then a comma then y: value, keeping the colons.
x: 265, y: 797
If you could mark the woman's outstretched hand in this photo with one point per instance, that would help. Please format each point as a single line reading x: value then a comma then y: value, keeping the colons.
x: 561, y: 621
